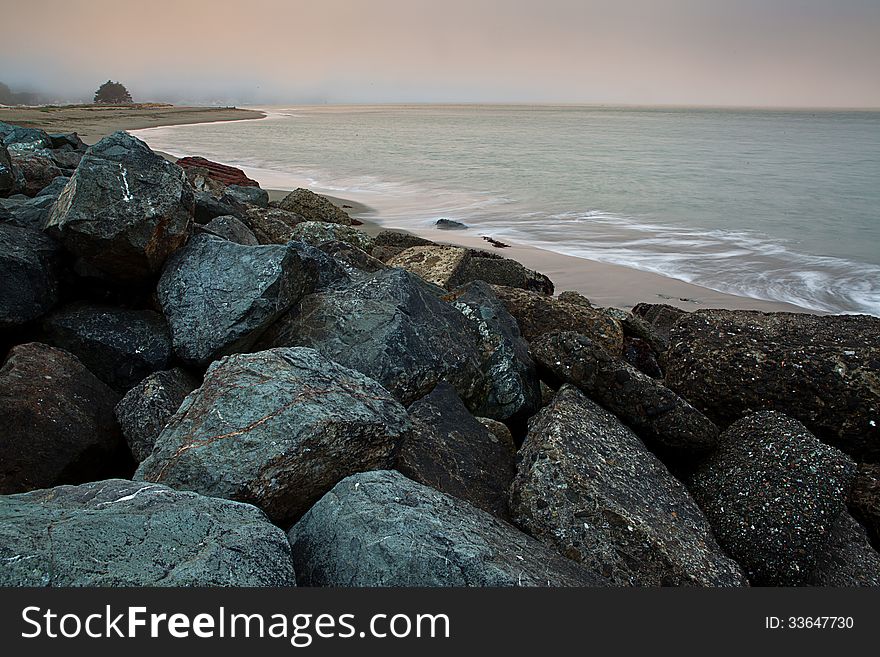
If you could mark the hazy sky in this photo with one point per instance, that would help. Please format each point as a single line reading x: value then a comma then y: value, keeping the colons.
x: 716, y: 52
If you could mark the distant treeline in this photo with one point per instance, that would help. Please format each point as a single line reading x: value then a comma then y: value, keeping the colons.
x: 9, y: 97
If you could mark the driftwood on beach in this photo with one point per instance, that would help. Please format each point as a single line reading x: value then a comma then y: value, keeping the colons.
x: 232, y: 391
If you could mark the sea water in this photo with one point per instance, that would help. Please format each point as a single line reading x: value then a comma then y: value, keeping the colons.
x: 769, y: 204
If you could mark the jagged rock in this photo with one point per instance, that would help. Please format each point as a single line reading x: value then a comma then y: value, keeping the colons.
x: 8, y: 179
x: 588, y: 486
x: 450, y: 224
x: 391, y: 327
x: 29, y: 268
x: 37, y: 172
x: 496, y: 270
x: 331, y: 273
x: 575, y: 297
x: 20, y: 141
x: 352, y: 258
x: 313, y: 207
x: 381, y: 529
x: 31, y: 212
x: 221, y: 173
x: 640, y: 355
x: 125, y: 210
x: 232, y: 229
x: 119, y: 346
x: 451, y: 451
x: 145, y: 409
x: 538, y: 314
x: 67, y: 161
x: 68, y: 141
x: 246, y: 195
x: 219, y: 296
x: 848, y: 558
x: 57, y: 419
x: 821, y: 370
x: 207, y: 207
x: 277, y: 429
x: 123, y: 533
x: 498, y: 429
x: 440, y: 265
x: 864, y: 500
x: 658, y: 415
x: 55, y: 187
x: 660, y: 317
x: 772, y: 494
x: 271, y: 225
x: 512, y: 386
x: 318, y: 232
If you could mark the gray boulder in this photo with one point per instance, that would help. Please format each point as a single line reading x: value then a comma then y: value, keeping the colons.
x: 124, y: 533
x: 276, y: 429
x: 660, y: 317
x: 450, y: 224
x: 57, y: 419
x: 119, y: 346
x: 318, y: 232
x: 588, y: 486
x: 29, y: 269
x: 821, y: 370
x: 313, y: 207
x: 145, y: 410
x: 249, y: 195
x: 848, y: 559
x: 354, y: 260
x: 451, y: 451
x: 381, y: 529
x: 772, y: 493
x: 21, y: 141
x: 271, y: 225
x: 219, y: 296
x: 30, y: 212
x: 230, y: 228
x: 659, y: 416
x: 125, y: 210
x: 392, y: 327
x: 496, y: 270
x: 389, y: 243
x: 35, y: 171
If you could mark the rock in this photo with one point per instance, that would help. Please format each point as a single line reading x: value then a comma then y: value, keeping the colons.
x: 353, y: 259
x: 450, y: 224
x: 271, y: 225
x: 313, y: 207
x: 503, y: 271
x: 20, y: 141
x: 31, y: 212
x: 848, y: 559
x: 660, y: 317
x: 381, y: 529
x: 864, y: 500
x: 8, y: 179
x: 230, y: 228
x: 277, y: 429
x: 391, y: 327
x: 497, y: 429
x: 512, y: 388
x: 67, y: 161
x: 145, y: 409
x: 58, y: 421
x: 246, y: 195
x: 221, y: 173
x: 207, y: 207
x: 119, y: 346
x: 821, y: 370
x: 68, y: 141
x: 219, y: 296
x: 659, y: 416
x: 538, y: 314
x: 390, y: 243
x: 331, y: 273
x: 450, y: 451
x: 440, y: 265
x: 640, y: 355
x: 55, y: 187
x: 588, y: 486
x: 36, y: 170
x: 578, y: 299
x: 124, y: 533
x: 125, y: 210
x: 772, y: 494
x: 318, y: 232
x: 29, y: 269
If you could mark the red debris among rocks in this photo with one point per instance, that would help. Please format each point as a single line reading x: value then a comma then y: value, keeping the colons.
x: 219, y: 172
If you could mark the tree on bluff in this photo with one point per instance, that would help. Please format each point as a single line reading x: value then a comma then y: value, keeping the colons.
x: 113, y: 93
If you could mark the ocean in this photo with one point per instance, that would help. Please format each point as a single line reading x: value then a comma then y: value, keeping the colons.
x: 769, y: 204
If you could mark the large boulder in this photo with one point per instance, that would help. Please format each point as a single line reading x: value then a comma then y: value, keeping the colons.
x: 659, y: 416
x: 440, y: 265
x: 821, y: 370
x: 772, y: 493
x: 391, y: 327
x: 230, y: 228
x: 145, y: 410
x: 588, y: 486
x: 271, y: 225
x: 57, y: 419
x: 538, y: 314
x: 29, y: 268
x: 496, y: 270
x: 36, y: 170
x: 354, y: 260
x: 451, y: 451
x: 125, y: 210
x: 864, y: 500
x: 21, y: 141
x: 660, y: 317
x: 30, y: 212
x: 381, y: 529
x: 512, y: 389
x: 221, y: 173
x: 317, y: 233
x: 277, y: 429
x: 219, y: 296
x: 68, y: 142
x: 389, y: 243
x: 313, y: 207
x: 245, y: 196
x: 119, y: 346
x: 848, y: 559
x: 124, y: 533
